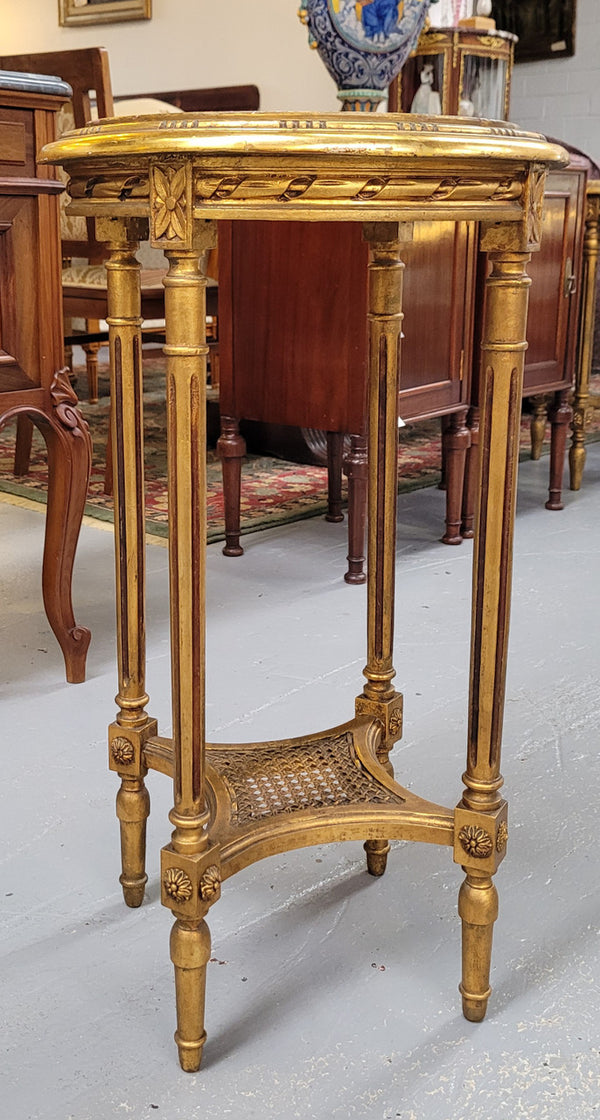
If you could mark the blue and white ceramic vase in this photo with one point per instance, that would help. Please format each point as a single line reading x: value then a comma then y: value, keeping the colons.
x: 363, y: 43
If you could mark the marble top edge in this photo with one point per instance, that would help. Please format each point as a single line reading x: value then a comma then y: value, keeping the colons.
x: 344, y: 134
x: 35, y: 83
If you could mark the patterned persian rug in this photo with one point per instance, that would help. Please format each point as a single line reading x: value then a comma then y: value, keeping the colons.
x: 274, y: 491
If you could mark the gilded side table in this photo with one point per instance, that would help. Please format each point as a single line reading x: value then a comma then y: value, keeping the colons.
x: 170, y: 178
x: 585, y: 402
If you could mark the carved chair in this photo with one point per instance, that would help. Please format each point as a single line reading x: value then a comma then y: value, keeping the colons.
x: 87, y: 71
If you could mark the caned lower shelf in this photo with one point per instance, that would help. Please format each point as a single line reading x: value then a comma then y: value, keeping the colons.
x: 267, y: 798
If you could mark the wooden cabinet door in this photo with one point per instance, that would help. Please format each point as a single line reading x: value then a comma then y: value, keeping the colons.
x: 553, y: 300
x: 292, y: 322
x: 438, y: 319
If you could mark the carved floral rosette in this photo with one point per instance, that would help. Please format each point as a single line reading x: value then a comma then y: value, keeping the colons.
x: 363, y: 45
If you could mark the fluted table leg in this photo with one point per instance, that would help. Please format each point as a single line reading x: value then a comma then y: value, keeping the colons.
x: 480, y: 818
x: 190, y: 871
x: 379, y: 698
x: 133, y: 726
x: 581, y: 399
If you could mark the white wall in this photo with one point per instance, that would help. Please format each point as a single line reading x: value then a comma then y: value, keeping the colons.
x: 189, y: 44
x: 194, y: 43
x: 561, y: 97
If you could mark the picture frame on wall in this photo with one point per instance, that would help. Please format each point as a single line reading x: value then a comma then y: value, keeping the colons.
x: 546, y: 28
x: 75, y: 13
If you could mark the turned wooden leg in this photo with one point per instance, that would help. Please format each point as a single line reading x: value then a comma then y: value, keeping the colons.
x: 190, y: 954
x: 577, y: 452
x: 132, y: 727
x: 379, y: 699
x: 581, y: 397
x: 445, y: 422
x: 537, y: 426
x: 355, y: 469
x: 478, y: 910
x: 480, y: 818
x: 335, y: 445
x: 231, y: 447
x: 190, y: 872
x: 133, y: 810
x: 560, y: 417
x: 23, y: 445
x: 90, y: 350
x: 471, y: 481
x: 455, y: 443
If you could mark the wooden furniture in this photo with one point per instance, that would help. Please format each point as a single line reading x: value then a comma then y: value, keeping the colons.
x: 583, y: 401
x: 220, y: 98
x: 34, y: 386
x: 313, y: 349
x: 87, y: 71
x: 236, y: 804
x: 303, y: 360
x: 84, y: 290
x: 469, y: 71
x: 552, y: 333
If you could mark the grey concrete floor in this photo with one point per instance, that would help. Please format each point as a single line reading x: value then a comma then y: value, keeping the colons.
x: 331, y: 994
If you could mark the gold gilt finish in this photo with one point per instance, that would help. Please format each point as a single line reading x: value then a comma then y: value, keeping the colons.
x: 583, y: 401
x: 234, y: 804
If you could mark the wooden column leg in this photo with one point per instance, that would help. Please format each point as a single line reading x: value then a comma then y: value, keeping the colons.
x: 90, y: 350
x: 471, y: 481
x: 537, y: 427
x: 581, y: 399
x: 455, y: 443
x: 23, y: 445
x: 379, y: 699
x: 480, y: 818
x: 560, y: 416
x: 133, y: 726
x: 190, y: 868
x: 231, y: 447
x: 335, y: 445
x: 356, y: 471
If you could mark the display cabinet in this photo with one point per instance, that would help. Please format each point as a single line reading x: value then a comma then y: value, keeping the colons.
x: 458, y: 72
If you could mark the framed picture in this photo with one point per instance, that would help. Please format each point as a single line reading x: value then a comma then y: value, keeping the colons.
x: 546, y: 28
x: 73, y: 13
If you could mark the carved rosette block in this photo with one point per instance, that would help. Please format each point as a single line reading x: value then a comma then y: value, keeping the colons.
x: 126, y: 748
x: 210, y: 884
x: 389, y: 713
x: 475, y: 841
x: 480, y: 838
x: 123, y: 751
x: 177, y: 884
x: 190, y: 883
x: 171, y: 225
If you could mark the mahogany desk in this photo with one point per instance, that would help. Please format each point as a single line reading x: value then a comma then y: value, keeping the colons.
x: 33, y: 382
x: 170, y: 178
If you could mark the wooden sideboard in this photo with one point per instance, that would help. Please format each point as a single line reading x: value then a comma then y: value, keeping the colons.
x: 293, y: 347
x: 34, y: 386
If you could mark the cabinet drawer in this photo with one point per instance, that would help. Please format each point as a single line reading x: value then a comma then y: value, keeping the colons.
x: 17, y: 156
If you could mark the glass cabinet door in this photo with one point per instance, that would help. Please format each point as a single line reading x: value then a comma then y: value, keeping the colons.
x: 482, y: 86
x: 423, y: 84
